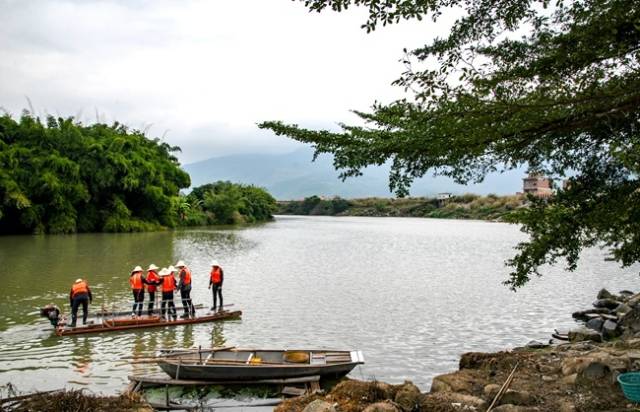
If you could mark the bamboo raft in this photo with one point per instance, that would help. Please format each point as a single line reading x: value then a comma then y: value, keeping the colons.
x: 122, y: 322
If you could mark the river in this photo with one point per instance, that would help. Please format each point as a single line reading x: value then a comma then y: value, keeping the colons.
x: 412, y: 294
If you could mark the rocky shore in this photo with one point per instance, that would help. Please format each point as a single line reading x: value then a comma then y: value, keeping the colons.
x: 574, y: 376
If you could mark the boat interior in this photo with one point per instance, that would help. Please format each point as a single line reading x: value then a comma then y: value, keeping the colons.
x: 267, y: 357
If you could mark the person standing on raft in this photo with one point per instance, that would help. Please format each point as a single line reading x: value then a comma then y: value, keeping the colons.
x: 215, y: 283
x: 137, y: 281
x: 168, y: 286
x: 185, y: 289
x: 80, y: 295
x: 153, y: 280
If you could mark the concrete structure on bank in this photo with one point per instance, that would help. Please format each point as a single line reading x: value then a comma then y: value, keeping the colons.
x: 537, y: 185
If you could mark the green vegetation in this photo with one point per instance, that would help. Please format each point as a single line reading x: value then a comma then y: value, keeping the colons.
x: 64, y: 177
x: 226, y: 203
x: 466, y: 206
x: 562, y: 98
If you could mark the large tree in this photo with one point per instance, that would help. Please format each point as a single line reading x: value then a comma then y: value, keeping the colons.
x: 550, y: 85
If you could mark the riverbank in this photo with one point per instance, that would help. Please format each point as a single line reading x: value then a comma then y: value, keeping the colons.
x: 468, y: 206
x: 577, y: 376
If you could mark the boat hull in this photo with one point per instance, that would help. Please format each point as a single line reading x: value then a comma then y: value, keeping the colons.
x: 220, y: 365
x: 222, y: 373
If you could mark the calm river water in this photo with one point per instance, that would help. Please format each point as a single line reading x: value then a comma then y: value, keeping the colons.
x: 412, y: 294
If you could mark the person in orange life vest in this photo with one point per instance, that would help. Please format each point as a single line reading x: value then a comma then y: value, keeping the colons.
x: 168, y: 286
x: 153, y: 280
x: 215, y: 282
x: 185, y: 289
x: 80, y: 295
x: 137, y: 281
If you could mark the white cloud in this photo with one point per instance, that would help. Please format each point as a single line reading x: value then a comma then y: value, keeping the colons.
x: 207, y: 71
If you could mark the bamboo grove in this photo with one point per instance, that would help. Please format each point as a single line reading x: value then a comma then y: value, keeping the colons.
x: 60, y: 176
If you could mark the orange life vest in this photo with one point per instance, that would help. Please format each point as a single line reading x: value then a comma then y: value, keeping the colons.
x: 135, y: 280
x: 152, y: 277
x: 216, y: 275
x: 78, y: 288
x: 187, y: 276
x: 168, y: 283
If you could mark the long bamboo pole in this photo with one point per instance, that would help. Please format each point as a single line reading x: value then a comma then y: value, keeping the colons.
x: 504, y: 387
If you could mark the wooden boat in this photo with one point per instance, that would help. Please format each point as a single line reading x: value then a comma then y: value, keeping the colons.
x: 256, y: 364
x: 117, y: 323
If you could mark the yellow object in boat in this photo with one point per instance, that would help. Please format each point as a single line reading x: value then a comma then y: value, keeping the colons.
x: 255, y: 360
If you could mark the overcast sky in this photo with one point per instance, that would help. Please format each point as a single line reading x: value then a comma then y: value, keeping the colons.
x: 203, y: 72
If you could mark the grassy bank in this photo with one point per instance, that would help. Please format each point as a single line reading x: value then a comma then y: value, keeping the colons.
x: 467, y: 206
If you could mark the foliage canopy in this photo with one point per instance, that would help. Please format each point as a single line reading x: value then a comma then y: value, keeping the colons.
x: 64, y: 177
x: 228, y: 203
x: 563, y: 99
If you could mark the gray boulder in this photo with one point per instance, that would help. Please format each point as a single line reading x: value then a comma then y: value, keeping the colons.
x: 595, y: 324
x: 605, y: 294
x: 534, y: 344
x: 631, y: 320
x: 611, y: 330
x: 582, y: 315
x: 622, y: 309
x: 584, y: 334
x: 606, y: 303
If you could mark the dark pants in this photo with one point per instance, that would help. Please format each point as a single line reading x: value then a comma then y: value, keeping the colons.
x: 75, y: 304
x: 167, y: 298
x: 217, y: 291
x: 187, y: 305
x: 152, y: 301
x: 138, y: 298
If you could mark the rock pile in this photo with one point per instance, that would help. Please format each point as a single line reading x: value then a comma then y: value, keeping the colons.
x: 611, y: 317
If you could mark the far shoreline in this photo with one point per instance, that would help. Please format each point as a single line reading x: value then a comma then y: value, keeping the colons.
x: 490, y: 208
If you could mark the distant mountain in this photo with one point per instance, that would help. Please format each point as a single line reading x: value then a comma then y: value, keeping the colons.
x: 294, y: 176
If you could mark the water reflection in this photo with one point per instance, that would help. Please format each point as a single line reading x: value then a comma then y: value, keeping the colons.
x: 217, y: 335
x: 81, y: 355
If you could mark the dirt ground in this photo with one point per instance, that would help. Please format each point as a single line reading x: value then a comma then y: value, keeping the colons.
x: 572, y: 377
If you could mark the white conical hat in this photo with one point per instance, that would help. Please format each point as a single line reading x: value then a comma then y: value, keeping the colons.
x: 136, y: 269
x: 214, y: 263
x: 164, y: 272
x: 78, y: 280
x: 153, y: 267
x: 180, y: 264
x: 171, y: 269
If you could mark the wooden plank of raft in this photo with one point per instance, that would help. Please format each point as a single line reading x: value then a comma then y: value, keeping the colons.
x: 162, y: 380
x: 102, y: 328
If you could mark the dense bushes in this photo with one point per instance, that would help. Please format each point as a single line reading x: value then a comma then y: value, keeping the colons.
x: 314, y: 205
x: 226, y: 203
x: 64, y: 177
